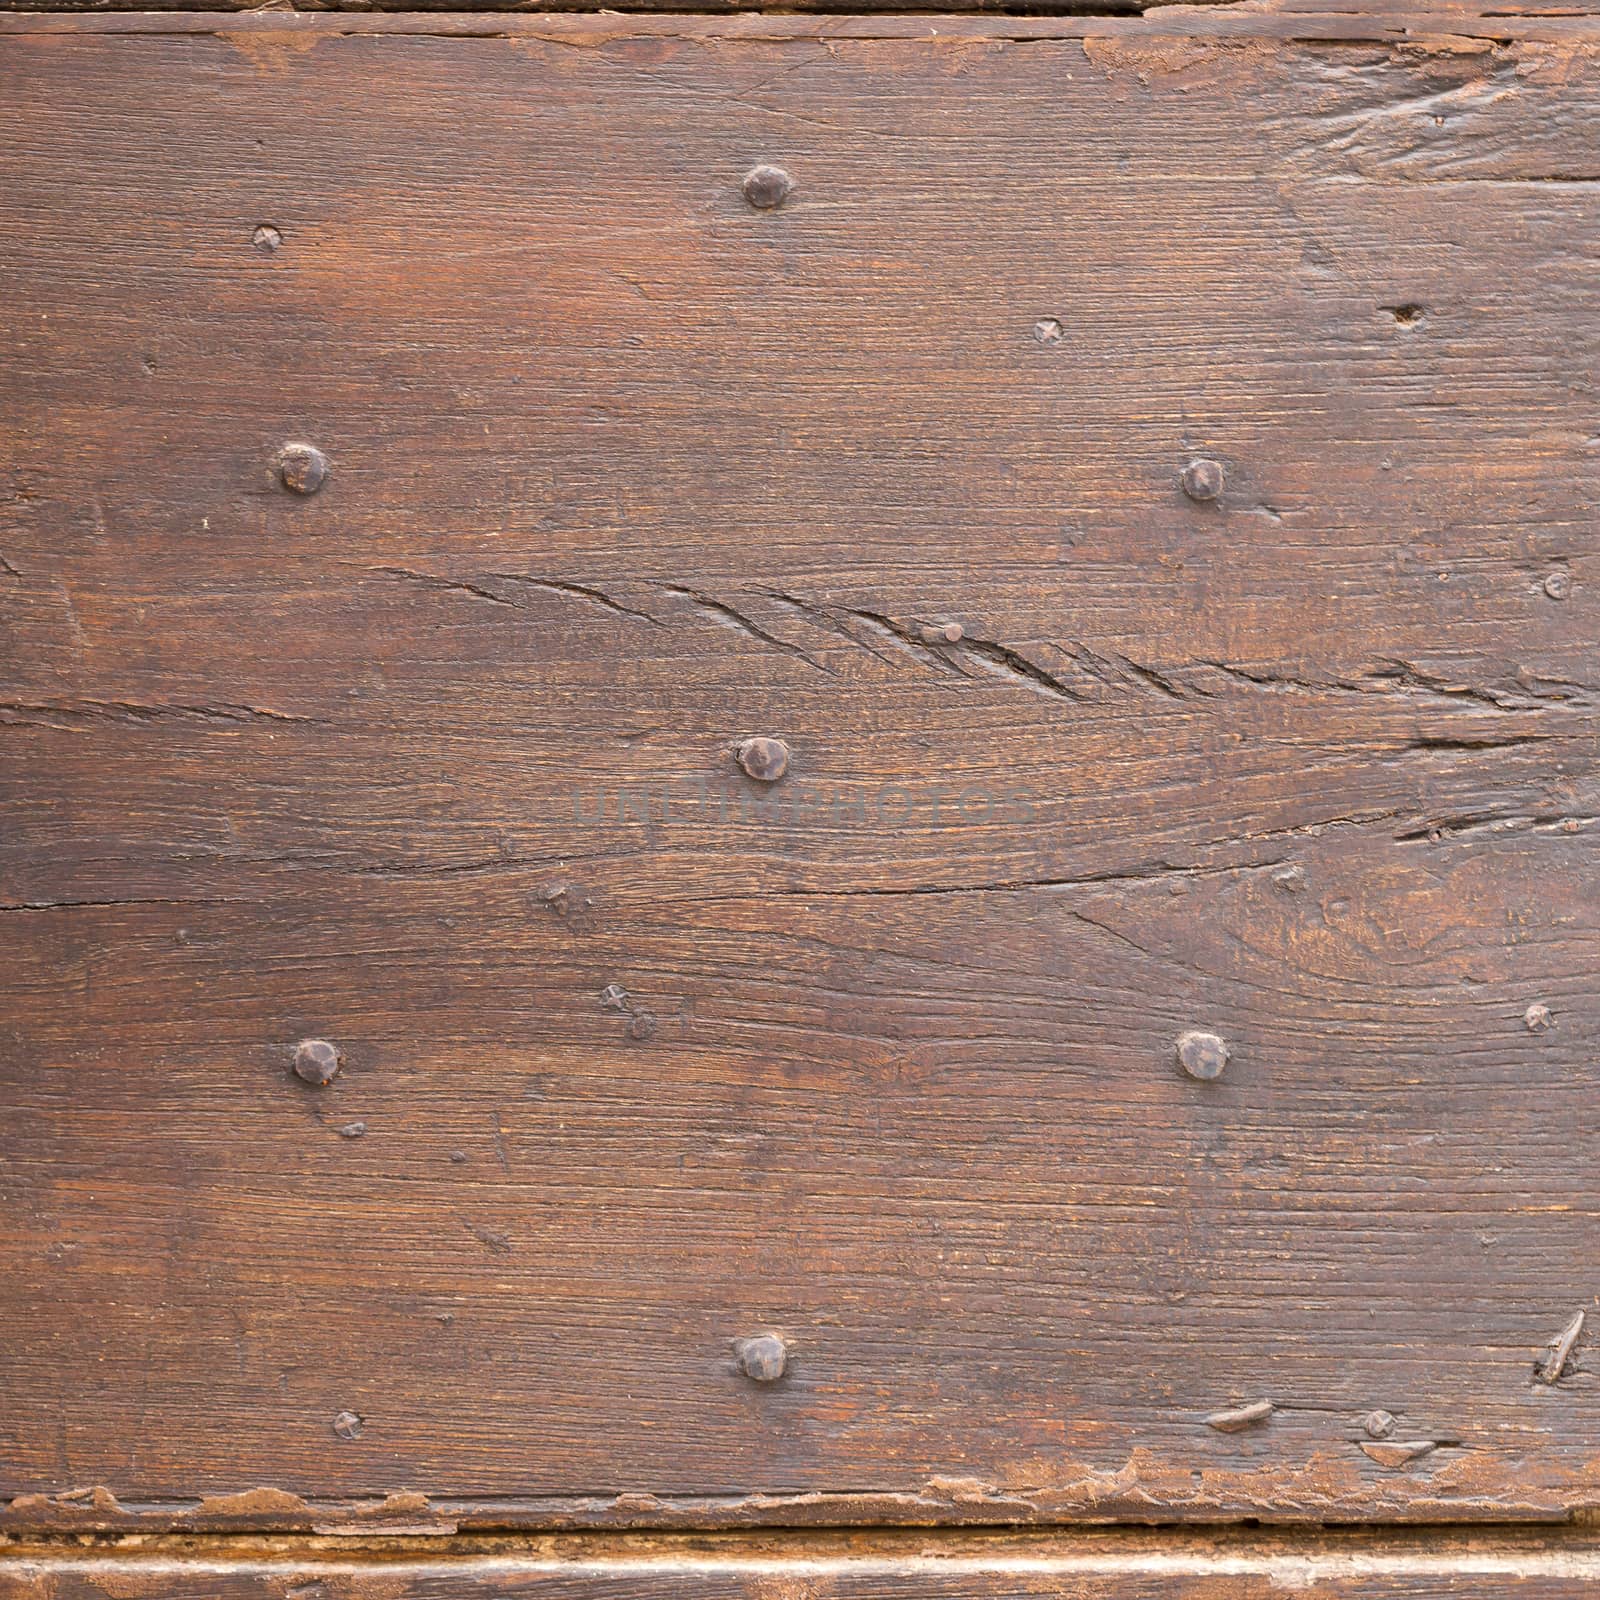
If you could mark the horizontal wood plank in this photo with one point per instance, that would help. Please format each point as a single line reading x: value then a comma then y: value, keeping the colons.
x: 1534, y: 13
x: 1443, y: 24
x: 1115, y: 1567
x: 640, y: 1057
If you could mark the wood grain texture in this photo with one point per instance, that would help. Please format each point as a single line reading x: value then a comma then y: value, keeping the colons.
x: 708, y: 7
x: 641, y: 1058
x: 1446, y: 25
x: 877, y: 1566
x: 1539, y: 12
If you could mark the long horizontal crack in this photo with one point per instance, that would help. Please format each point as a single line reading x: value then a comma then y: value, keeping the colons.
x: 968, y: 656
x: 22, y: 906
x: 1474, y: 741
x: 56, y: 713
x: 1151, y: 872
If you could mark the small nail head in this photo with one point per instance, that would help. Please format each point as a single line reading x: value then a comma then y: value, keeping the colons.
x: 302, y: 468
x: 767, y: 187
x: 1203, y: 479
x: 266, y: 238
x: 948, y: 633
x: 348, y: 1425
x: 1537, y: 1017
x: 1202, y: 1055
x: 1378, y: 1424
x: 316, y: 1061
x: 1047, y: 330
x: 766, y: 760
x: 1558, y: 585
x: 613, y: 998
x: 763, y: 1358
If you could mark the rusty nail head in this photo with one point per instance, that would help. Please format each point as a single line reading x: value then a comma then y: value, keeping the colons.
x: 767, y: 187
x: 948, y: 633
x: 642, y: 1025
x: 302, y: 468
x: 266, y: 238
x: 317, y: 1061
x: 765, y: 760
x: 1378, y: 1424
x: 1202, y: 479
x: 348, y: 1425
x: 1202, y: 1055
x: 763, y: 1358
x: 1558, y: 585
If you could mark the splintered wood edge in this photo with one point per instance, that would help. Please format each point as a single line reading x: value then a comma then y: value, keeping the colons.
x: 1294, y: 1562
x: 1481, y: 1490
x: 1380, y: 23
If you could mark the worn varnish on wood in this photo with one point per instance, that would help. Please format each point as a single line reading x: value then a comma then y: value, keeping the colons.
x: 640, y: 1058
x: 1113, y: 1565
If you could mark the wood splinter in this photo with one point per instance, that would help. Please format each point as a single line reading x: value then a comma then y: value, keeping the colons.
x: 1551, y: 1368
x: 1240, y: 1417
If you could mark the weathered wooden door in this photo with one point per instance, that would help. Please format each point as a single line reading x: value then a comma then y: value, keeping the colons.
x: 800, y: 805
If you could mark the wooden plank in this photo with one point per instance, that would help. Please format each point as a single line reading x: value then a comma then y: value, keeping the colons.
x: 1442, y: 25
x: 914, y: 11
x: 862, y: 1568
x: 1019, y: 1259
x: 646, y: 7
x: 640, y: 1058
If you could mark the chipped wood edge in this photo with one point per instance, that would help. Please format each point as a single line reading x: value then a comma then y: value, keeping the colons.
x: 1561, y: 1348
x: 1239, y: 1418
x: 1356, y: 1485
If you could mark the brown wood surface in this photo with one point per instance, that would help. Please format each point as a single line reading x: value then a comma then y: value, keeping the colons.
x: 1446, y: 25
x: 1048, y: 8
x: 433, y: 762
